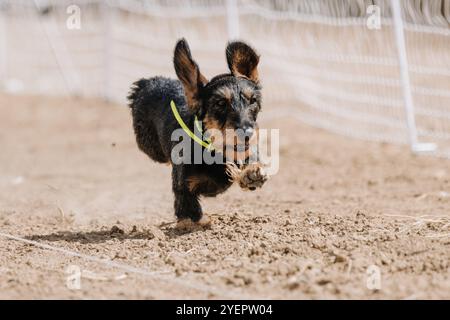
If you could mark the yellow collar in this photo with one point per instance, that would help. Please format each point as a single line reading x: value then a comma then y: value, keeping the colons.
x: 207, y: 144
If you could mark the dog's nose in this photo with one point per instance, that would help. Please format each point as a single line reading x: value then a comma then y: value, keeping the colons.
x: 248, y: 130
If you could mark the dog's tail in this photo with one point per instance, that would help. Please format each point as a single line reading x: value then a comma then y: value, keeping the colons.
x: 134, y: 94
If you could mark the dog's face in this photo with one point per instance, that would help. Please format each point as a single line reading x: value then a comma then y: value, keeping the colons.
x: 229, y: 102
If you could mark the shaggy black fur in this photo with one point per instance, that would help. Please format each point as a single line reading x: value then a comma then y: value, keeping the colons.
x: 227, y: 101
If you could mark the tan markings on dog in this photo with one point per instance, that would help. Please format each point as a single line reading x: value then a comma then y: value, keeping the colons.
x: 189, y: 225
x: 211, y: 123
x: 190, y: 77
x: 217, y: 133
x: 238, y: 59
x: 249, y: 176
x: 195, y: 181
x: 232, y: 139
x: 253, y: 74
x: 248, y: 92
x: 252, y: 176
x: 225, y: 92
x: 226, y: 138
x: 203, y: 79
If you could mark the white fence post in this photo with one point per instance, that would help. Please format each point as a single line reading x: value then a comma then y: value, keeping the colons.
x: 232, y: 19
x: 108, y: 12
x: 406, y: 85
x: 3, y: 48
x: 63, y: 58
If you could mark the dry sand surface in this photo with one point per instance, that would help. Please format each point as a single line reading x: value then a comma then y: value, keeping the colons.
x: 72, y: 178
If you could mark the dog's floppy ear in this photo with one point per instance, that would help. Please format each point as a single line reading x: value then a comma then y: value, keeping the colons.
x: 188, y: 72
x: 242, y: 60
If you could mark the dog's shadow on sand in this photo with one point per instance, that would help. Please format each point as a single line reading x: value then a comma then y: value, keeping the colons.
x: 174, y: 232
x: 99, y: 236
x: 94, y: 236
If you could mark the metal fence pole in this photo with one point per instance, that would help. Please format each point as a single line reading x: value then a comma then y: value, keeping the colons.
x: 406, y: 84
x: 232, y: 19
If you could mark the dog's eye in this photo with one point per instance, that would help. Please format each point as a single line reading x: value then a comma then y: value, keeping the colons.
x: 254, y: 110
x: 222, y: 103
x: 253, y: 100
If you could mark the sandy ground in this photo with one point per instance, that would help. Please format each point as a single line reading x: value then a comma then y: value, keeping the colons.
x: 338, y: 211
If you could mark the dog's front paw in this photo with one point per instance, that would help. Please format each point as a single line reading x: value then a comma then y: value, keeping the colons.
x: 252, y: 177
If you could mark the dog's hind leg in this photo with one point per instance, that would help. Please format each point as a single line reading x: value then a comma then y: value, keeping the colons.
x: 187, y: 206
x: 148, y: 141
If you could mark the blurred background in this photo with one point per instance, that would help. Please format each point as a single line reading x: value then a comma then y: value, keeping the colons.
x: 333, y: 64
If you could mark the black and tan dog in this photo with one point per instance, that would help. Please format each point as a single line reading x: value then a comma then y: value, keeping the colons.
x: 227, y: 101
